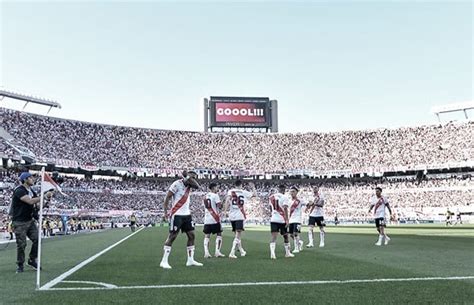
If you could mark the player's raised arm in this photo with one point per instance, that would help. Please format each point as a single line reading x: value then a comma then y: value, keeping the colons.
x: 190, y: 179
x: 191, y: 182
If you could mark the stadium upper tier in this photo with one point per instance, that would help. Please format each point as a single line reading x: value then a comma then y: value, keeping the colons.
x: 359, y: 151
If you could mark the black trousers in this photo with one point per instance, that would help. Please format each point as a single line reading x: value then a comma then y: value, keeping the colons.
x: 24, y: 229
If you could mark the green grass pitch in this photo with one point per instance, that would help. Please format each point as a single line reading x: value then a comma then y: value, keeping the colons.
x: 350, y: 254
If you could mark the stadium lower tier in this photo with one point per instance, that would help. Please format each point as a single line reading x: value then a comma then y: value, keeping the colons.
x: 348, y: 206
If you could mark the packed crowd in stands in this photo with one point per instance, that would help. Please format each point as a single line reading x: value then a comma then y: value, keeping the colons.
x: 105, y: 145
x: 5, y: 149
x: 348, y: 198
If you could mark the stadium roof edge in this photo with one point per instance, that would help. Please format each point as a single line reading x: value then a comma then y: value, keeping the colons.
x: 29, y: 98
x: 452, y: 107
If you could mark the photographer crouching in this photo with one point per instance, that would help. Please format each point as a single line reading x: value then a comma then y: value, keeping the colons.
x: 25, y: 206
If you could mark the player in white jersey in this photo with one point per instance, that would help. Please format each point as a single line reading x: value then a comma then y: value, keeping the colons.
x: 295, y: 209
x: 316, y: 217
x: 212, y: 220
x: 236, y: 199
x: 280, y: 221
x: 379, y: 203
x: 180, y: 216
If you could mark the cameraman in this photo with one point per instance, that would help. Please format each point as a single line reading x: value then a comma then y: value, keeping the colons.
x: 24, y: 207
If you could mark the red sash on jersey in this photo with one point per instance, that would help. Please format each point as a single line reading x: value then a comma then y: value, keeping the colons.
x: 180, y: 202
x: 296, y: 202
x: 378, y: 204
x: 278, y: 208
x: 316, y: 199
x: 214, y: 214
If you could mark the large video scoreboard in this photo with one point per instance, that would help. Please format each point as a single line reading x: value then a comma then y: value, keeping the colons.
x: 240, y: 112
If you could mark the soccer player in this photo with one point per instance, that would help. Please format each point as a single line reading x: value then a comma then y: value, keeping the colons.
x: 336, y: 219
x: 296, y: 206
x: 316, y: 217
x: 133, y: 222
x: 236, y: 199
x: 212, y: 220
x: 448, y: 217
x: 379, y: 203
x: 180, y: 217
x: 280, y: 221
x: 44, y: 227
x: 458, y: 217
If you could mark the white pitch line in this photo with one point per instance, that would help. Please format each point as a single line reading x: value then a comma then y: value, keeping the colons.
x: 106, y: 285
x: 211, y: 285
x: 55, y: 281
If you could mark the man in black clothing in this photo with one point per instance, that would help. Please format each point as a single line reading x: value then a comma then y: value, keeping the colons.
x: 24, y: 204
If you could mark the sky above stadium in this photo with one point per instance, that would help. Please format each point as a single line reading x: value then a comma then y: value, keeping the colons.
x: 335, y: 65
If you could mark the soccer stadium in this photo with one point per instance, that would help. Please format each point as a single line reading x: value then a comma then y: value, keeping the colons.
x: 246, y: 204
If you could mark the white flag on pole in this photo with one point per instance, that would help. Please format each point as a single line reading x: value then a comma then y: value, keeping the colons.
x: 48, y: 184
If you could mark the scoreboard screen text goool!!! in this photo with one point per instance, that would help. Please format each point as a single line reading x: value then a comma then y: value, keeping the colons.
x: 240, y: 112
